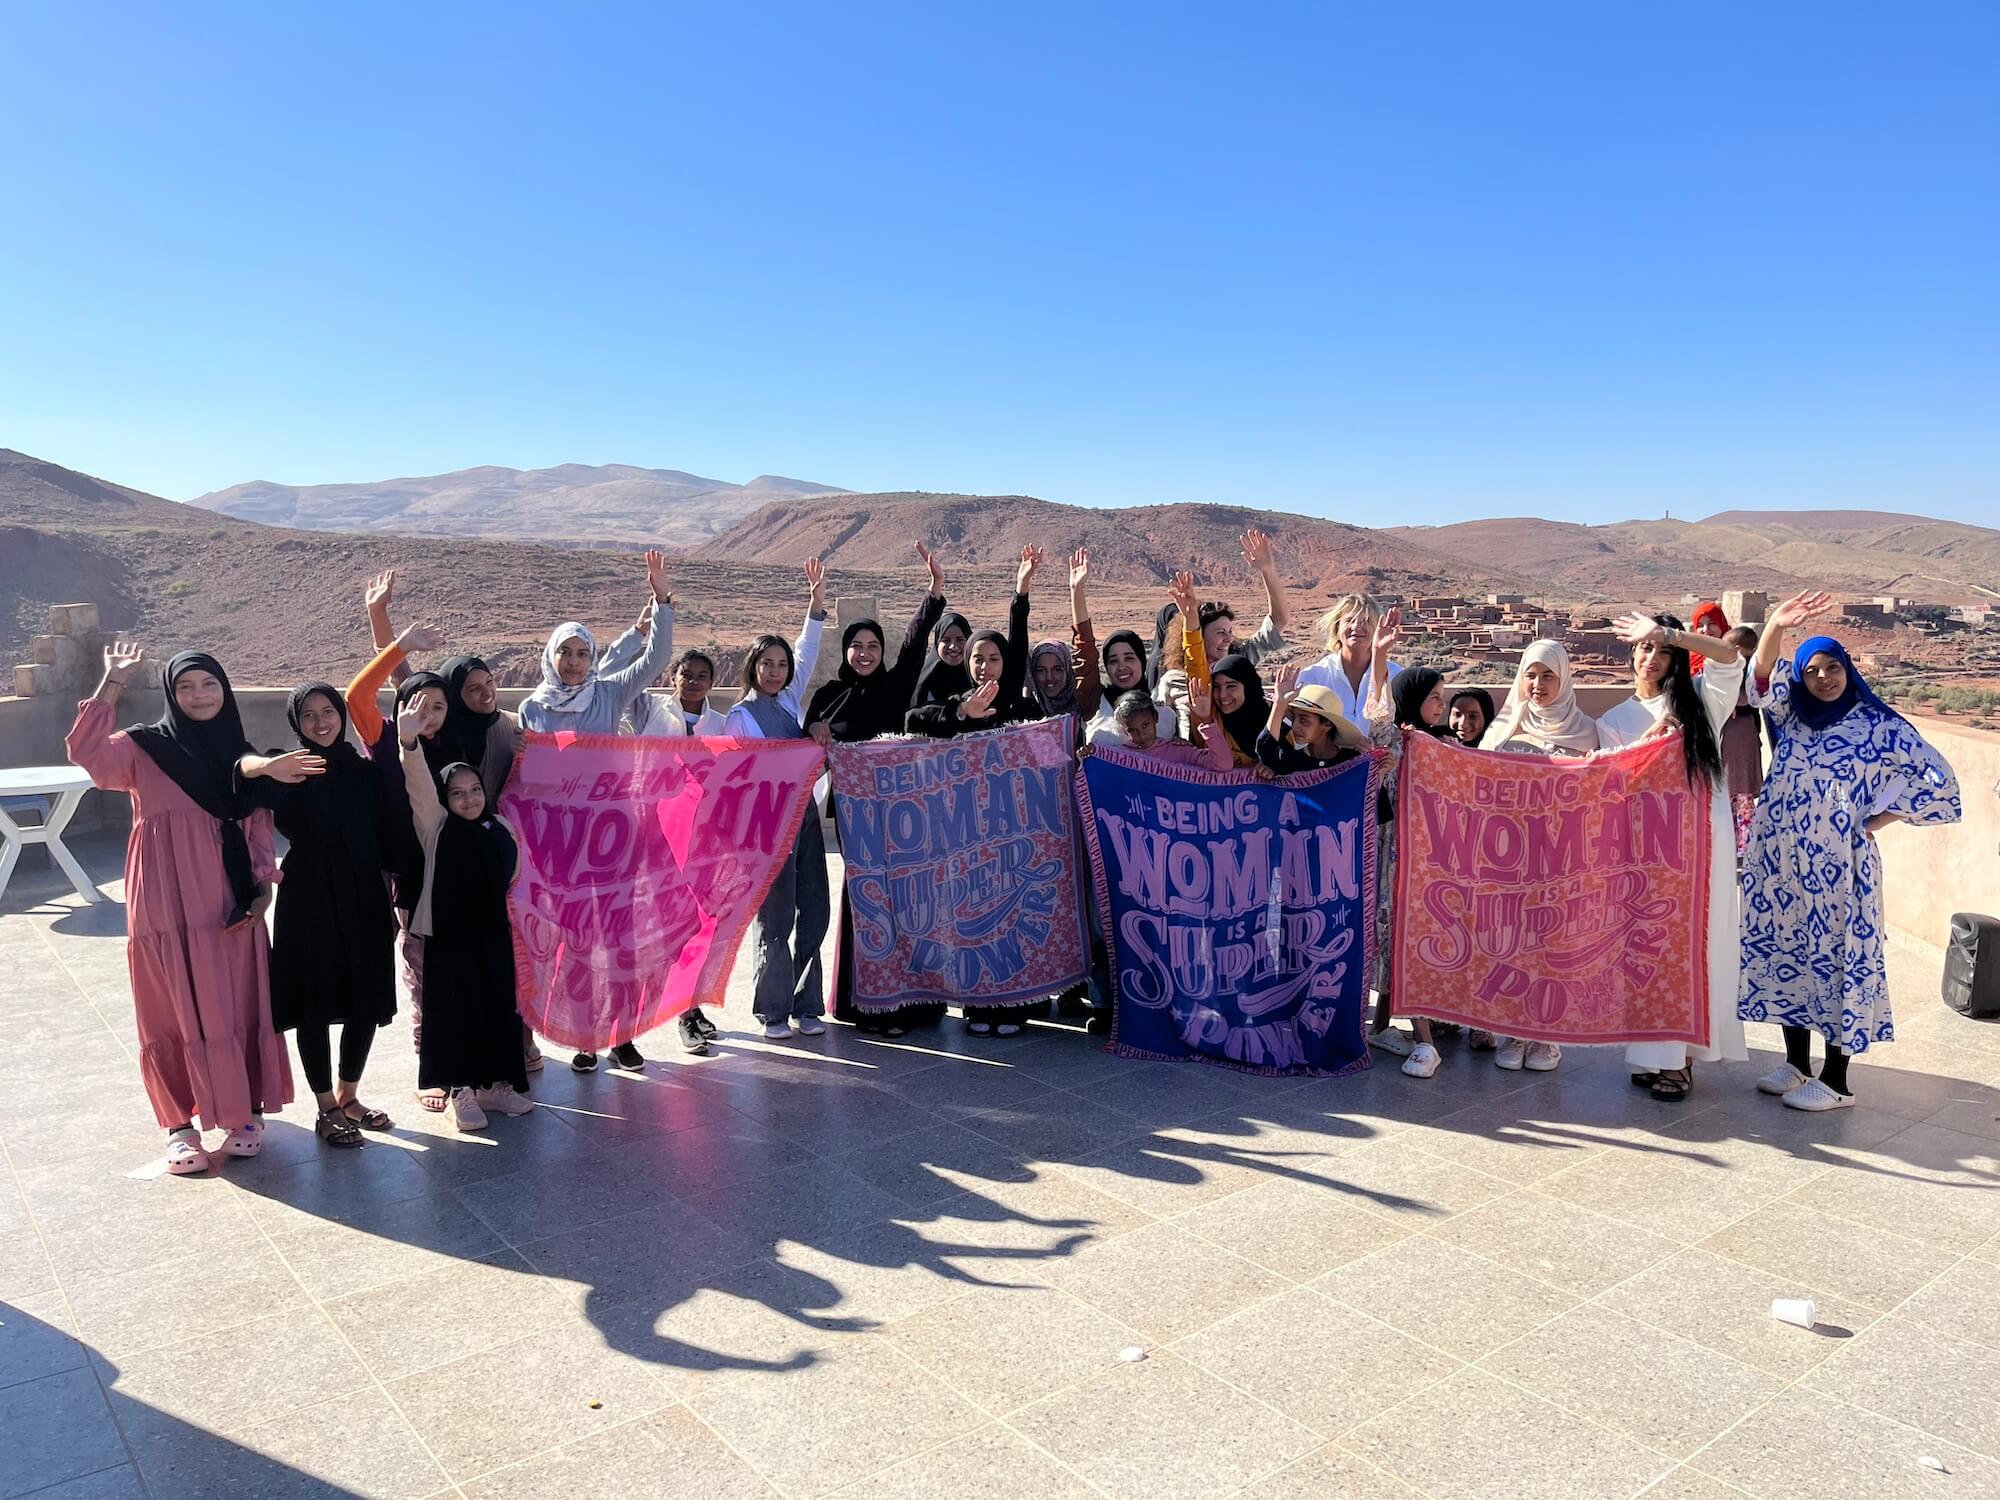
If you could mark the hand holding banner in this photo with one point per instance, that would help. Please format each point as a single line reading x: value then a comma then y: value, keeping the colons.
x: 642, y: 861
x: 1553, y: 900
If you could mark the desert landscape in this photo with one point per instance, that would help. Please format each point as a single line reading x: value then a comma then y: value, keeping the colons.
x: 497, y: 556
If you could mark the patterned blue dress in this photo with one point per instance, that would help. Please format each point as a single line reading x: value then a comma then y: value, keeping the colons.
x: 1812, y: 876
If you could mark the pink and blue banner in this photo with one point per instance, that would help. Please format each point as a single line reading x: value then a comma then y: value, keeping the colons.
x: 963, y: 877
x: 642, y: 861
x: 1239, y: 911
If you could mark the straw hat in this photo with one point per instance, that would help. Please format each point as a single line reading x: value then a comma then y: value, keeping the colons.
x: 1316, y: 699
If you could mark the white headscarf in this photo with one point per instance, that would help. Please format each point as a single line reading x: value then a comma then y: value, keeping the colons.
x: 1562, y: 727
x: 555, y: 695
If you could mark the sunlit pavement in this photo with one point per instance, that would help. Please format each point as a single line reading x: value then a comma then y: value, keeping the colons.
x: 950, y: 1267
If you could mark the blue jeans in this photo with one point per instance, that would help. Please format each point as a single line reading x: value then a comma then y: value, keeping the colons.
x: 786, y: 934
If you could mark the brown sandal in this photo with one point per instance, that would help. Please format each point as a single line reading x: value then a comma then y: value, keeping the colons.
x: 368, y: 1119
x: 1673, y: 1085
x: 336, y: 1129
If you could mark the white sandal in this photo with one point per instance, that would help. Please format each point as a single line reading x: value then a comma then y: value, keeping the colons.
x: 1816, y: 1096
x: 184, y: 1154
x: 246, y: 1140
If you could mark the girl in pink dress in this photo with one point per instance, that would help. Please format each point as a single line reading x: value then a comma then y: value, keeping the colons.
x: 199, y: 872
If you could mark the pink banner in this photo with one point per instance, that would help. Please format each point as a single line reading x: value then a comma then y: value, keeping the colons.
x: 1553, y: 900
x: 642, y: 863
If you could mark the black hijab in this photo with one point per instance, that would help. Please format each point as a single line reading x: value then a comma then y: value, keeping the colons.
x: 437, y: 750
x: 1242, y: 725
x: 1130, y: 638
x: 1409, y: 689
x: 464, y: 732
x: 1478, y: 695
x: 348, y: 793
x: 856, y: 707
x: 474, y: 866
x: 942, y: 681
x: 200, y: 758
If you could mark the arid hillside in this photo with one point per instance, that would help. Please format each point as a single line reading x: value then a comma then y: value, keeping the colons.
x: 584, y: 505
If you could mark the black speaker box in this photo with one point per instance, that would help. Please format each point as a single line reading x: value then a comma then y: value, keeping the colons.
x: 1972, y: 965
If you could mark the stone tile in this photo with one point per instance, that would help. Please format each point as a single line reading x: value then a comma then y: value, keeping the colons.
x: 939, y: 1161
x: 1660, y: 1391
x: 1726, y: 1306
x: 1685, y: 1483
x: 655, y: 1252
x: 121, y: 1483
x: 1869, y: 1266
x: 542, y: 1144
x: 1296, y: 1229
x: 36, y: 1339
x: 804, y: 1203
x: 955, y: 1088
x: 668, y: 1454
x: 1394, y: 1177
x: 1557, y: 1242
x: 499, y: 1405
x: 1161, y: 1094
x: 1542, y: 1450
x: 101, y: 1187
x: 1163, y: 1281
x: 120, y: 1315
x: 1659, y: 1194
x: 444, y: 1315
x: 355, y: 1444
x: 1055, y: 1127
x: 1911, y: 1373
x: 159, y: 1231
x: 1164, y: 1173
x: 158, y: 1392
x: 534, y: 1203
x: 1445, y: 1296
x: 377, y: 1246
x: 1498, y: 1140
x: 1970, y: 1110
x: 840, y: 1419
x: 1962, y: 1302
x: 332, y: 1185
x: 707, y: 1158
x: 1872, y: 1457
x: 1330, y: 1471
x: 1162, y: 1429
x: 58, y: 1428
x: 1318, y: 1361
x: 1954, y: 1216
x: 885, y: 1271
x: 991, y: 1463
x: 1004, y: 1348
x: 1050, y: 1214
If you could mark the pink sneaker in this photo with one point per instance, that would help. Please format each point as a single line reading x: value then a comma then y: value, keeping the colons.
x: 504, y: 1099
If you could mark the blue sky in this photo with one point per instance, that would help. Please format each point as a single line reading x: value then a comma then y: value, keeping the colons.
x: 1390, y: 263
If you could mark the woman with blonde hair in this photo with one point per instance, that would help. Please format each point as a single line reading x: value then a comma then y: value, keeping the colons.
x: 1348, y: 667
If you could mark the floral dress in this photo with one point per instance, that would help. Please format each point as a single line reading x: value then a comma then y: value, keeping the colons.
x: 1812, y: 877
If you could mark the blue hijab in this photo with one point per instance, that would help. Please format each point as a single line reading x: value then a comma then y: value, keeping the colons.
x: 1811, y: 711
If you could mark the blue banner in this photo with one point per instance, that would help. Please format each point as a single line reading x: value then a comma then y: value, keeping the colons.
x: 1239, y: 911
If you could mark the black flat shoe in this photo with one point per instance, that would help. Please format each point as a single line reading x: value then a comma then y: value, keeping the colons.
x: 627, y: 1056
x: 583, y: 1062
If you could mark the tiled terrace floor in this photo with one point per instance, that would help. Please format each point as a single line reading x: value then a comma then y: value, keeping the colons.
x: 910, y: 1270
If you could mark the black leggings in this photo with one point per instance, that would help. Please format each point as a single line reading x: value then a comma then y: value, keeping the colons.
x: 356, y: 1037
x: 1798, y: 1052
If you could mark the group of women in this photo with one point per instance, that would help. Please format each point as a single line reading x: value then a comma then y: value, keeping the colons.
x: 397, y: 858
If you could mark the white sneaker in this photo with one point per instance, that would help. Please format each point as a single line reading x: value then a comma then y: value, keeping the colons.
x: 1510, y: 1054
x: 1780, y: 1080
x: 1542, y: 1057
x: 184, y: 1154
x: 811, y: 1026
x: 1395, y: 1042
x: 505, y: 1099
x: 465, y: 1111
x: 1423, y: 1062
x: 1816, y: 1096
x: 777, y: 1031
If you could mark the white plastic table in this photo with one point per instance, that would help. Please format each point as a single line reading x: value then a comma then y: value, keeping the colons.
x: 66, y: 785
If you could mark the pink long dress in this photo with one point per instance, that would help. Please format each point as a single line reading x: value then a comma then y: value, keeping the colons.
x: 203, y: 995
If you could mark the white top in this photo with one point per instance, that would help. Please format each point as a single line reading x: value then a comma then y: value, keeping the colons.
x: 42, y: 781
x: 661, y: 716
x: 1328, y: 672
x: 805, y: 656
x: 1718, y: 683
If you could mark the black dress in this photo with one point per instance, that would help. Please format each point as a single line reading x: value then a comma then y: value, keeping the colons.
x: 472, y: 1031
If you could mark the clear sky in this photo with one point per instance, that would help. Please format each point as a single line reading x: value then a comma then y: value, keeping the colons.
x: 1386, y: 262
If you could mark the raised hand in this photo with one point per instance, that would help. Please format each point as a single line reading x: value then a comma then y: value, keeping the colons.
x: 380, y: 590
x: 1258, y: 551
x: 1801, y: 609
x: 820, y: 734
x: 1200, y: 698
x: 1388, y: 631
x: 978, y: 704
x: 815, y: 571
x: 1031, y: 559
x: 1181, y: 591
x: 410, y: 722
x: 122, y: 658
x: 1079, y: 568
x: 1286, y: 688
x: 1636, y: 627
x: 420, y: 638
x: 936, y: 569
x: 294, y: 766
x: 656, y: 576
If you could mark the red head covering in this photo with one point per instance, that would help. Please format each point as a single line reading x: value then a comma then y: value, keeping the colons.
x: 1706, y: 610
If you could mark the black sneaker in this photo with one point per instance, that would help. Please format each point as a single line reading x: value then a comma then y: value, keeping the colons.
x: 627, y: 1056
x: 692, y: 1037
x: 702, y: 1023
x: 583, y: 1062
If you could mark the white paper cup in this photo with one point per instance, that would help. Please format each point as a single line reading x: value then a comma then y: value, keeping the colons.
x: 1803, y: 1312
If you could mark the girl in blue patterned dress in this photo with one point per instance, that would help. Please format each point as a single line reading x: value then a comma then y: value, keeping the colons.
x: 1843, y: 764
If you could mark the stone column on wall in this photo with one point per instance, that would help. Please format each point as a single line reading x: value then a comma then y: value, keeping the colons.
x: 63, y: 662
